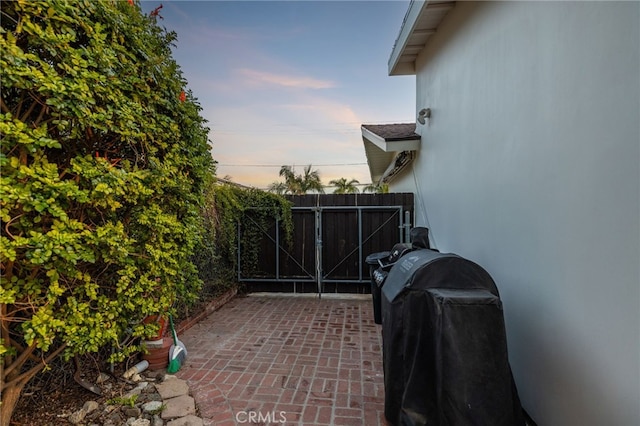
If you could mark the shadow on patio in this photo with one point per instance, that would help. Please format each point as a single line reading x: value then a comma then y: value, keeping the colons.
x: 274, y: 359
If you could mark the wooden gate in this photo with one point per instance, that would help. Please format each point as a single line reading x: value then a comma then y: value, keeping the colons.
x: 333, y: 234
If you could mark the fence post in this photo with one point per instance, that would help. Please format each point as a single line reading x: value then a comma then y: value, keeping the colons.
x: 359, y: 244
x: 319, y: 250
x: 407, y: 226
x: 239, y: 236
x: 277, y: 247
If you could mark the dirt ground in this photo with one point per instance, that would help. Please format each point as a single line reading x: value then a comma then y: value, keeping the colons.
x: 52, y: 396
x: 60, y: 398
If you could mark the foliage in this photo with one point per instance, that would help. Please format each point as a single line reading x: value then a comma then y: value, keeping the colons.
x: 127, y: 402
x: 252, y: 208
x: 104, y: 159
x: 344, y: 187
x: 211, y: 258
x: 279, y: 188
x: 298, y: 184
x: 381, y: 188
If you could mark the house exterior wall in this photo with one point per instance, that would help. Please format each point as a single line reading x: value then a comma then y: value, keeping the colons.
x: 529, y: 166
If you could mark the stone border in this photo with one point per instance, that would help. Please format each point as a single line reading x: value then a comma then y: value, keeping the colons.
x: 173, y: 404
x: 159, y: 400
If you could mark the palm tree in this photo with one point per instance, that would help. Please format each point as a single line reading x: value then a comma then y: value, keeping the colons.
x: 344, y: 187
x: 279, y: 188
x: 301, y: 184
x: 378, y: 188
x: 311, y: 181
x: 291, y: 181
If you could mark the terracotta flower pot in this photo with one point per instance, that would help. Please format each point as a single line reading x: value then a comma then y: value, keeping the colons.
x: 158, y: 353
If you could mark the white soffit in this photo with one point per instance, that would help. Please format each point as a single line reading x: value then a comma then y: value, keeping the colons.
x: 383, y: 142
x: 420, y: 23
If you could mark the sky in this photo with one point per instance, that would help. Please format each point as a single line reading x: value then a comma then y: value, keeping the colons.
x: 290, y: 82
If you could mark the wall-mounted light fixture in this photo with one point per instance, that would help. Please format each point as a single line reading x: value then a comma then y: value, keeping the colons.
x: 423, y: 114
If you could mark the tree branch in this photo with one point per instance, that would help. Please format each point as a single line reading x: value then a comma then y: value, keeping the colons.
x: 24, y: 355
x: 3, y: 106
x: 29, y: 111
x: 42, y: 111
x: 27, y: 375
x: 6, y: 337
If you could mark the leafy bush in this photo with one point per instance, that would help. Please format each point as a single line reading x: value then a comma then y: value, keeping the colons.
x: 255, y: 209
x: 104, y: 158
x: 215, y: 270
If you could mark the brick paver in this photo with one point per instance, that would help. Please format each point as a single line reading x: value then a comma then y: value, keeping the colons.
x: 287, y: 360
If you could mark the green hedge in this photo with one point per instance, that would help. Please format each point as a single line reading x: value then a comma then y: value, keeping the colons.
x: 104, y: 159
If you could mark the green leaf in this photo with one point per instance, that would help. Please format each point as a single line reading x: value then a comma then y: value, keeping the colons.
x: 103, y: 173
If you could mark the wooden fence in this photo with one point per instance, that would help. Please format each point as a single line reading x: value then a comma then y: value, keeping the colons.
x: 333, y: 235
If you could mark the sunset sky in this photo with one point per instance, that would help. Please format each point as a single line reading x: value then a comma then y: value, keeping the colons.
x: 290, y: 82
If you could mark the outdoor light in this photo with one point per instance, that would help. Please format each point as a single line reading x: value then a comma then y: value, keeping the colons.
x: 424, y: 112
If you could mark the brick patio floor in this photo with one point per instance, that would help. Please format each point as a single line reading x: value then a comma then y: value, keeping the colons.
x: 263, y: 359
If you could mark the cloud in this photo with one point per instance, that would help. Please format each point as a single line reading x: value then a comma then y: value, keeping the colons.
x: 325, y: 111
x: 261, y: 77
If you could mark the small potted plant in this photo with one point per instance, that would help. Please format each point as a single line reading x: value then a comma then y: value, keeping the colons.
x: 162, y: 323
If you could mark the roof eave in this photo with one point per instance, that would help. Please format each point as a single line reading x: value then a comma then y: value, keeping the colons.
x: 382, y: 153
x: 397, y: 66
x: 390, y: 144
x: 420, y: 23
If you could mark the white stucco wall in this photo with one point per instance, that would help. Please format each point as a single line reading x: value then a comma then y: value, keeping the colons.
x: 530, y: 167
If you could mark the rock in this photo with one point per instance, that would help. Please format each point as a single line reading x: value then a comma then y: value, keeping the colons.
x: 156, y: 376
x: 137, y: 390
x: 115, y: 417
x: 157, y: 421
x: 131, y: 411
x: 155, y: 396
x: 149, y: 389
x: 179, y: 406
x: 140, y: 422
x: 90, y: 406
x: 77, y: 417
x: 102, y: 377
x: 186, y: 421
x: 93, y: 416
x: 152, y: 406
x: 170, y: 388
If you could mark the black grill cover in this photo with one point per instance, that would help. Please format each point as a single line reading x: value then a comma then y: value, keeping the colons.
x: 444, y: 345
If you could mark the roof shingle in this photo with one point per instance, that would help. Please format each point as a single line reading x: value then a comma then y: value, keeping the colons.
x: 394, y: 132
